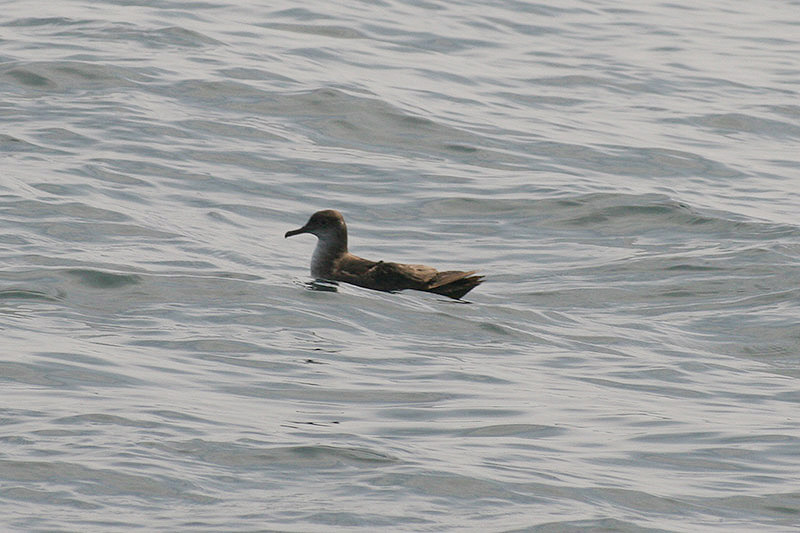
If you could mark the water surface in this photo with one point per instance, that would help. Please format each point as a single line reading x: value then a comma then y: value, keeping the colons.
x: 624, y: 175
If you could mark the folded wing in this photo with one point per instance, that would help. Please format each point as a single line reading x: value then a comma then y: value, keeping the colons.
x: 397, y: 276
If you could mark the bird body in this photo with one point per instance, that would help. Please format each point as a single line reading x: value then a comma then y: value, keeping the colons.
x: 332, y: 261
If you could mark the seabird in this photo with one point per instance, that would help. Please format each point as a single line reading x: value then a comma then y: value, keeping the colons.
x: 331, y: 261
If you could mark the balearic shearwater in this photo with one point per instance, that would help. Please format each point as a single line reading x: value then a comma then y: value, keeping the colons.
x: 331, y: 261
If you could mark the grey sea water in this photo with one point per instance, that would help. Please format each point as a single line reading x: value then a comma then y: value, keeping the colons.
x: 625, y: 174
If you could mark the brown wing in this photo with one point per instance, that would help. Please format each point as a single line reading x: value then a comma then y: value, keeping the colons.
x: 384, y: 276
x: 396, y: 276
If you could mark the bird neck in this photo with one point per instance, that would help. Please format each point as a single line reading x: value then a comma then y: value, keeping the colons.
x: 330, y: 247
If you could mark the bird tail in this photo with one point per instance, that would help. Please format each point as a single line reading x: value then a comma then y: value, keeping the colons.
x: 454, y: 284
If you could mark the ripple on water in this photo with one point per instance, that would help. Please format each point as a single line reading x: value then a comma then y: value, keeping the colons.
x: 628, y: 189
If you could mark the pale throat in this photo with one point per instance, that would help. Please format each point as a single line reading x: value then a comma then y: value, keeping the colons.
x: 329, y: 247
